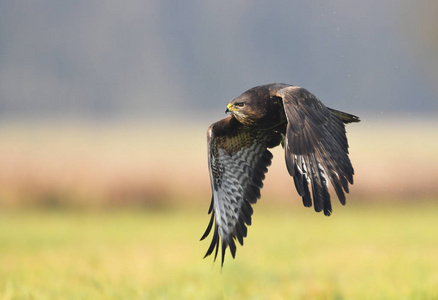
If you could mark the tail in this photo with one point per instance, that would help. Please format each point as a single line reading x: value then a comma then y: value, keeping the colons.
x: 346, y: 118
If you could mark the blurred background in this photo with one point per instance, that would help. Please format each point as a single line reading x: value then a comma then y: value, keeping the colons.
x: 104, y: 185
x: 107, y: 103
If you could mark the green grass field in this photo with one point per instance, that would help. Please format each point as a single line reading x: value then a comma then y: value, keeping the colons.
x: 361, y: 252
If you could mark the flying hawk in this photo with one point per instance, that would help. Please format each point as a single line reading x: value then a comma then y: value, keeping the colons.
x: 316, y: 153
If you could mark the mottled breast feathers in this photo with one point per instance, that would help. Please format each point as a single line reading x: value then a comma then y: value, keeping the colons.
x: 316, y: 153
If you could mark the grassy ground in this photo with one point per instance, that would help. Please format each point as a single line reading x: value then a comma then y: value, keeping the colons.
x: 361, y: 252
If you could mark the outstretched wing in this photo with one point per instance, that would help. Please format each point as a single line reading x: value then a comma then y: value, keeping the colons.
x: 316, y: 148
x: 238, y: 160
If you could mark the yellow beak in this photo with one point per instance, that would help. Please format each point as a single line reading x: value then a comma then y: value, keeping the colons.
x: 229, y: 108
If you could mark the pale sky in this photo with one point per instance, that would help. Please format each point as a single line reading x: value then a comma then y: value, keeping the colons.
x: 108, y: 58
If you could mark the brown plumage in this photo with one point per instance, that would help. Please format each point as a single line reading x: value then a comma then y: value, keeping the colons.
x: 316, y: 152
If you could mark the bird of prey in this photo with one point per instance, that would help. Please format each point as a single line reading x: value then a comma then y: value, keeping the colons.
x: 263, y: 117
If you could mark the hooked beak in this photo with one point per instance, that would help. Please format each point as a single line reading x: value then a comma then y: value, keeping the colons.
x: 229, y: 108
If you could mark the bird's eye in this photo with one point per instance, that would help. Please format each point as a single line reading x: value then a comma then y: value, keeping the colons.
x: 239, y: 104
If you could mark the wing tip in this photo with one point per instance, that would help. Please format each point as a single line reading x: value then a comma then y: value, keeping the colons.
x: 207, y: 231
x: 226, y: 242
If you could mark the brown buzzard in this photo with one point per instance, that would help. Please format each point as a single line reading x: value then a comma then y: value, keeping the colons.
x: 316, y: 152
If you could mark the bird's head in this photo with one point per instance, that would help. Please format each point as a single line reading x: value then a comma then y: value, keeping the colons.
x: 241, y: 109
x: 236, y: 107
x: 249, y: 107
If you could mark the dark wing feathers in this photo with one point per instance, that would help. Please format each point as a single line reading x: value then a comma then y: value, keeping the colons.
x: 238, y: 160
x: 316, y: 148
x: 345, y: 117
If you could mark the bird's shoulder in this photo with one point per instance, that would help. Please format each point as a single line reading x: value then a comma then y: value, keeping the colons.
x: 231, y: 135
x: 299, y: 97
x: 225, y: 127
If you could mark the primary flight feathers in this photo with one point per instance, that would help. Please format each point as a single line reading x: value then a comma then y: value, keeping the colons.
x: 316, y: 152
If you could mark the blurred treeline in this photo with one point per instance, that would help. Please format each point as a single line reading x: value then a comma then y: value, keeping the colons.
x: 102, y: 165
